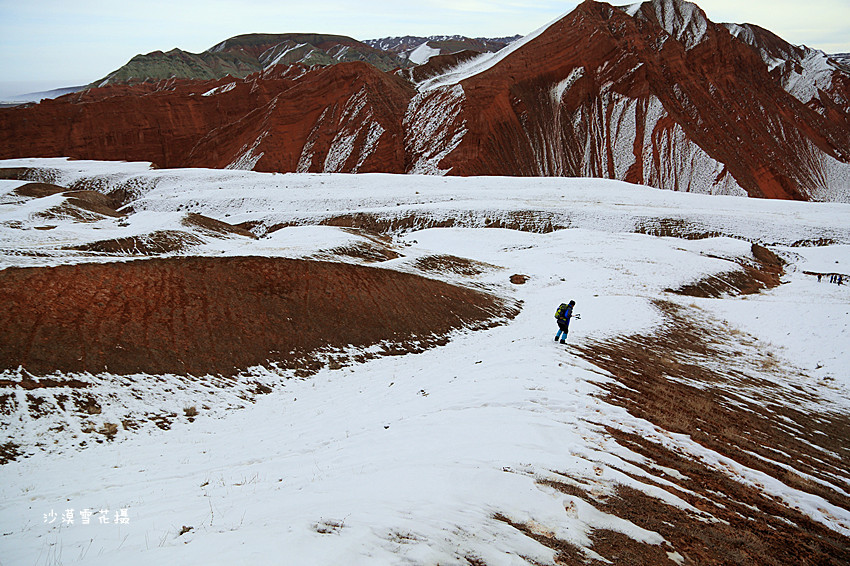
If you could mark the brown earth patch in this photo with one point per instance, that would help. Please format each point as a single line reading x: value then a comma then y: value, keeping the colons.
x: 814, y: 243
x: 82, y: 205
x: 674, y: 228
x: 735, y: 524
x: 367, y: 251
x: 155, y: 243
x: 7, y: 403
x: 375, y: 248
x: 452, y: 264
x: 764, y: 273
x: 13, y: 173
x: 383, y: 224
x: 521, y: 220
x: 688, y: 379
x: 8, y: 452
x: 38, y: 190
x: 93, y: 201
x: 215, y: 227
x: 28, y: 383
x: 68, y: 211
x: 220, y: 315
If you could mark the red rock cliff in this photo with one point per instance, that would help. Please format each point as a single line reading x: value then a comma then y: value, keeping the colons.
x: 659, y: 96
x: 342, y: 118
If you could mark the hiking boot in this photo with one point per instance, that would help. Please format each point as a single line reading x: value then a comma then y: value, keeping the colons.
x: 563, y: 341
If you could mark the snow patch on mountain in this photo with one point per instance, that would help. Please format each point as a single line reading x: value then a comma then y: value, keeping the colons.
x: 563, y: 86
x: 276, y: 54
x: 220, y: 89
x: 832, y: 182
x: 434, y: 127
x: 247, y: 159
x: 305, y: 160
x: 422, y: 54
x: 483, y: 62
x: 343, y: 143
x: 684, y: 166
x: 370, y: 144
x: 804, y: 72
x: 683, y: 20
x: 354, y: 124
x: 814, y: 74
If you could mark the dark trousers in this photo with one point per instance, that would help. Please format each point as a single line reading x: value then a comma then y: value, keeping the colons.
x: 564, y: 327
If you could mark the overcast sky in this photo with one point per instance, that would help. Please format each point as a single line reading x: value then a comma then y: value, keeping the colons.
x: 54, y: 43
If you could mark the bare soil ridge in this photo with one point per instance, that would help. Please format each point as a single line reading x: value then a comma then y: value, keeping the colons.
x: 221, y: 315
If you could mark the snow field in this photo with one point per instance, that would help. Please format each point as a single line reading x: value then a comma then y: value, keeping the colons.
x: 409, y: 459
x: 396, y: 446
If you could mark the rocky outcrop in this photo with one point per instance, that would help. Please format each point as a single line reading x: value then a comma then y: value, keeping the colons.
x: 651, y: 93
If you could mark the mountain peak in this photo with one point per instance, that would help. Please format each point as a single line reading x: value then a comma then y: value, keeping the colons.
x: 684, y: 21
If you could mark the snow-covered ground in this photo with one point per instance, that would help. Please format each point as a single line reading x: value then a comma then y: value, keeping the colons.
x: 409, y: 459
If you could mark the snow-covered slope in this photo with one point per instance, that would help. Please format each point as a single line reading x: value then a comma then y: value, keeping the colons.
x: 804, y: 73
x: 499, y: 447
x: 422, y: 53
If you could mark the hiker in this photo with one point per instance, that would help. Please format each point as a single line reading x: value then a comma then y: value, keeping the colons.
x: 819, y: 275
x: 562, y: 316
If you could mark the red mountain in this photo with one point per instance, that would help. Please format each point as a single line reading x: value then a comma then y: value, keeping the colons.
x: 285, y: 119
x: 653, y: 93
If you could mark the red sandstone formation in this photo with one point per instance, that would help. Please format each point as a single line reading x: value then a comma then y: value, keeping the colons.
x: 653, y: 94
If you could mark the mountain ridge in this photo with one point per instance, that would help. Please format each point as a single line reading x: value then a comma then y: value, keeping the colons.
x: 242, y: 55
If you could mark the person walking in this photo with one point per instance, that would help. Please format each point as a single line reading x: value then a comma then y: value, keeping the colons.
x: 562, y: 316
